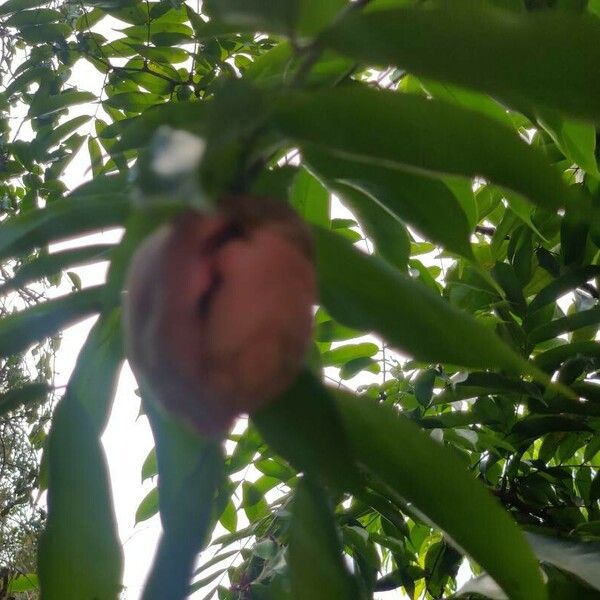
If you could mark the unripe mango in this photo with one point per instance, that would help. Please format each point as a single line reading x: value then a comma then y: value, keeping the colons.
x: 218, y: 310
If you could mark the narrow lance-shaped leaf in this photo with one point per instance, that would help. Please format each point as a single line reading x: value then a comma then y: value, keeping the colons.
x: 425, y: 203
x: 190, y: 471
x: 304, y: 427
x: 101, y: 204
x: 47, y: 265
x: 418, y: 468
x: 313, y: 534
x: 20, y: 330
x: 408, y: 131
x: 80, y: 553
x: 476, y: 46
x: 406, y: 313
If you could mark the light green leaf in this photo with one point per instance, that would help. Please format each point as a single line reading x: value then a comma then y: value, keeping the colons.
x: 310, y: 198
x: 576, y: 139
x: 148, y: 507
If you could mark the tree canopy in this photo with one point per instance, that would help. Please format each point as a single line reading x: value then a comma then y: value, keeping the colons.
x: 461, y: 137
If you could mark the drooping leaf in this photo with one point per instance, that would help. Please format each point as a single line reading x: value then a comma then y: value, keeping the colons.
x: 77, y: 214
x: 418, y: 468
x: 366, y: 125
x: 490, y: 54
x: 313, y: 534
x: 403, y: 311
x: 80, y: 554
x: 21, y: 329
x: 304, y: 428
x: 423, y: 203
x: 190, y: 472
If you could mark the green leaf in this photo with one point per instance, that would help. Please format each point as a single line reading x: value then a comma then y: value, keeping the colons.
x: 47, y: 105
x: 437, y: 138
x: 19, y: 330
x: 550, y: 360
x: 263, y: 15
x: 315, y: 15
x: 150, y: 466
x: 303, y: 426
x: 404, y: 312
x: 98, y: 366
x: 48, y: 265
x: 80, y: 552
x: 342, y: 354
x: 418, y: 468
x: 313, y: 534
x: 24, y: 583
x: 563, y: 284
x: 424, y: 203
x: 53, y: 136
x: 12, y: 6
x: 23, y: 395
x: 133, y: 101
x: 563, y: 325
x: 190, y: 472
x: 490, y: 54
x: 95, y: 156
x: 77, y: 214
x: 576, y: 139
x: 148, y: 507
x: 33, y: 17
x: 310, y: 198
x: 46, y: 34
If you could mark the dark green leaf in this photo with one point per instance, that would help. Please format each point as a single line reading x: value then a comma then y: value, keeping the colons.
x: 365, y: 125
x: 18, y: 331
x: 304, y: 428
x: 418, y: 468
x: 47, y: 265
x: 406, y: 313
x: 313, y: 534
x: 423, y: 203
x: 490, y: 54
x: 24, y: 395
x: 190, y: 472
x: 570, y: 323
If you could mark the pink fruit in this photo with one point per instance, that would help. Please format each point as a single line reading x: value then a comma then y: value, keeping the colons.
x: 219, y: 310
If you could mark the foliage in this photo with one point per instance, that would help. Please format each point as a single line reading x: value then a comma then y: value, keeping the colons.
x: 472, y: 183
